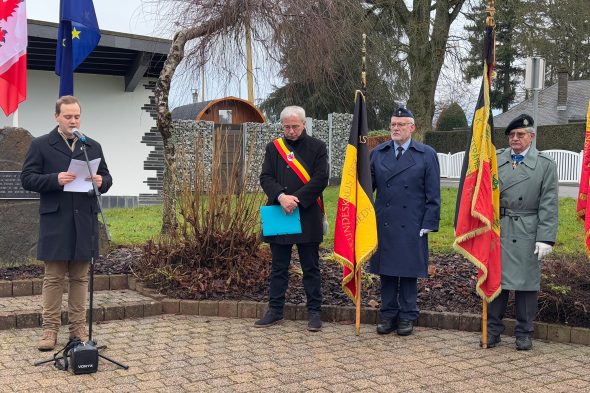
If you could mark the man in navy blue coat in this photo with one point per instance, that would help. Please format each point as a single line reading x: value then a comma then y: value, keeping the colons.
x: 406, y: 176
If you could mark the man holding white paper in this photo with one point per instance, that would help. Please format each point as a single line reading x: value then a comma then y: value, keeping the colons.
x: 294, y: 175
x: 68, y: 225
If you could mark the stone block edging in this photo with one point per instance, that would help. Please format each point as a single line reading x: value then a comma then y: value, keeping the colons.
x: 346, y: 314
x: 33, y: 286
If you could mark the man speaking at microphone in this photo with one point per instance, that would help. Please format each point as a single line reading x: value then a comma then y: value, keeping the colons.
x: 68, y: 220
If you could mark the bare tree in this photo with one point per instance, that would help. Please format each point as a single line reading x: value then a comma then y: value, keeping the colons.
x: 426, y: 29
x: 209, y: 24
x: 215, y: 30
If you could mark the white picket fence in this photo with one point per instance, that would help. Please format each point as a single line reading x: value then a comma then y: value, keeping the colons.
x: 569, y: 164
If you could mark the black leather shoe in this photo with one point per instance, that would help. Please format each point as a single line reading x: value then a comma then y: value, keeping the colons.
x: 405, y: 327
x: 315, y: 322
x: 493, y: 341
x: 270, y: 318
x: 524, y: 343
x: 387, y: 326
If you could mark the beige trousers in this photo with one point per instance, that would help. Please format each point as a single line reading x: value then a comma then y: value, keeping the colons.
x: 53, y: 289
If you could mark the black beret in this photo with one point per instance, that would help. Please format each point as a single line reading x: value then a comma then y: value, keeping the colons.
x: 522, y: 121
x: 402, y: 112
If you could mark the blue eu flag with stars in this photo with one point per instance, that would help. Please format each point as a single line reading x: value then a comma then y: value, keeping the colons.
x: 77, y: 37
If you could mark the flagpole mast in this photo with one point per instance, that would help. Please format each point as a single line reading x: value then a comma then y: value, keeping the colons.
x: 490, y: 22
x: 357, y: 274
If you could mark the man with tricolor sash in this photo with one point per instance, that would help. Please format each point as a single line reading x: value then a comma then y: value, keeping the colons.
x: 294, y: 175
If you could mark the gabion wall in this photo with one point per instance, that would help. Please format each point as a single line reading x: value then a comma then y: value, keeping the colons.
x: 184, y: 137
x: 334, y: 132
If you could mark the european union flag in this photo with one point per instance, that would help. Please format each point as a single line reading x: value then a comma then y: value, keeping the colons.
x: 77, y: 37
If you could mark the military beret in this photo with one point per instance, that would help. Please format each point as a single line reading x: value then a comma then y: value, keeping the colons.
x: 522, y: 121
x: 402, y: 112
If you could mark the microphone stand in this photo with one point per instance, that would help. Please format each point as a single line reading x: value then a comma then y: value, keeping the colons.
x: 96, y: 193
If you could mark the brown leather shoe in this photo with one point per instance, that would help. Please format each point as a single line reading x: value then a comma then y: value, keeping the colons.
x: 47, y: 341
x: 79, y: 332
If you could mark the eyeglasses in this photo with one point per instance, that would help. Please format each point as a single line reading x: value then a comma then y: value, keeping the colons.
x: 393, y: 125
x: 519, y: 135
x: 294, y: 127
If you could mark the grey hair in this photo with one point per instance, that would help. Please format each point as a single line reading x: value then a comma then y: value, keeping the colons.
x: 293, y: 110
x: 530, y: 130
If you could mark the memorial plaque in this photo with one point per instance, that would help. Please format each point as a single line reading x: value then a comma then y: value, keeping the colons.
x: 19, y: 209
x: 11, y: 187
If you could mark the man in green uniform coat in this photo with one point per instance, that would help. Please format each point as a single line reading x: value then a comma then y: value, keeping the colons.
x: 528, y: 228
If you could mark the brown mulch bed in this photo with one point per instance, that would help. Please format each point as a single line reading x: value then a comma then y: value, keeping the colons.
x: 119, y: 261
x: 565, y: 298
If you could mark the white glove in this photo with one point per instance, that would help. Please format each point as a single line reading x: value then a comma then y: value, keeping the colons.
x: 542, y: 249
x: 424, y: 231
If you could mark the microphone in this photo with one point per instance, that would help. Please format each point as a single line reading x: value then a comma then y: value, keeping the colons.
x: 79, y: 135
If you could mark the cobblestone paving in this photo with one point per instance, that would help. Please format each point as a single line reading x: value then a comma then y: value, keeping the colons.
x: 173, y: 353
x: 101, y: 299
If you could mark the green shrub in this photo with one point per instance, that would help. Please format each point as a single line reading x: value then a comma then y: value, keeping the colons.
x: 379, y: 132
x: 562, y: 136
x: 451, y: 117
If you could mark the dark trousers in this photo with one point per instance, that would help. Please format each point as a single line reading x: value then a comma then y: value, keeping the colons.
x: 398, y: 298
x: 309, y: 257
x: 526, y: 310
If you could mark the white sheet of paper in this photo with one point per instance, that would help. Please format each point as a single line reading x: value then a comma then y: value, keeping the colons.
x: 80, y: 169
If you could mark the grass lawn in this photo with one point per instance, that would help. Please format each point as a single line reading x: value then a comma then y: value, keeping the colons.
x: 135, y: 226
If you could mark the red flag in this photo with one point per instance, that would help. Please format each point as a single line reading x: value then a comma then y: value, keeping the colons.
x: 477, y: 225
x: 585, y: 185
x: 13, y: 58
x: 355, y: 231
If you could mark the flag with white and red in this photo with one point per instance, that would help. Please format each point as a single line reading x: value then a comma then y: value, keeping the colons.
x: 13, y: 54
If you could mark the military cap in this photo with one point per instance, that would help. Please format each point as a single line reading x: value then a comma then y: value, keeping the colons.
x: 402, y: 112
x: 522, y: 121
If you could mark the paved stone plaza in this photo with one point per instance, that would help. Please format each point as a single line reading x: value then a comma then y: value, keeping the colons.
x: 177, y: 353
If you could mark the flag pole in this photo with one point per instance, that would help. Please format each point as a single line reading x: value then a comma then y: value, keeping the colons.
x: 490, y: 11
x: 357, y: 274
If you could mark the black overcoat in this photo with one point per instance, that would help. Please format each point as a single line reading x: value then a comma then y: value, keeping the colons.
x: 277, y: 177
x: 67, y: 219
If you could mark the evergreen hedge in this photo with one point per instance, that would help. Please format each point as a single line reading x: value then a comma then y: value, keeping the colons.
x: 562, y: 136
x: 451, y: 117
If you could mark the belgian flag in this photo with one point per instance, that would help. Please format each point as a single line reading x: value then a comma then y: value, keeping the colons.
x: 355, y: 233
x: 582, y: 209
x: 477, y: 221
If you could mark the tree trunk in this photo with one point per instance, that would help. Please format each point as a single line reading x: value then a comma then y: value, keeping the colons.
x: 426, y: 53
x: 164, y: 124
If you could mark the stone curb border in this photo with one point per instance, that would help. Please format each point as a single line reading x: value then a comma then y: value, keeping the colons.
x: 161, y: 304
x: 330, y: 313
x: 33, y: 286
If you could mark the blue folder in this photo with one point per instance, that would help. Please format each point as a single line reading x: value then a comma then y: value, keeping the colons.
x: 276, y: 222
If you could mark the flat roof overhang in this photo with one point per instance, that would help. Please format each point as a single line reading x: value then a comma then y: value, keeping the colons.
x: 121, y: 54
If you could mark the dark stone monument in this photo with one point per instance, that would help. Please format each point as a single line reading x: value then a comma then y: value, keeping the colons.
x: 19, y: 209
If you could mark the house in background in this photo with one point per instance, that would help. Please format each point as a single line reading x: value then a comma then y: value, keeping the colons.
x: 564, y: 102
x: 115, y: 87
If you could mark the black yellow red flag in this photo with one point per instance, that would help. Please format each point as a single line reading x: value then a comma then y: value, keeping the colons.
x: 355, y: 230
x: 582, y: 209
x: 477, y: 222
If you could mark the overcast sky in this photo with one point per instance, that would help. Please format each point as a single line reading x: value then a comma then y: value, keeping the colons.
x: 127, y: 16
x: 141, y: 17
